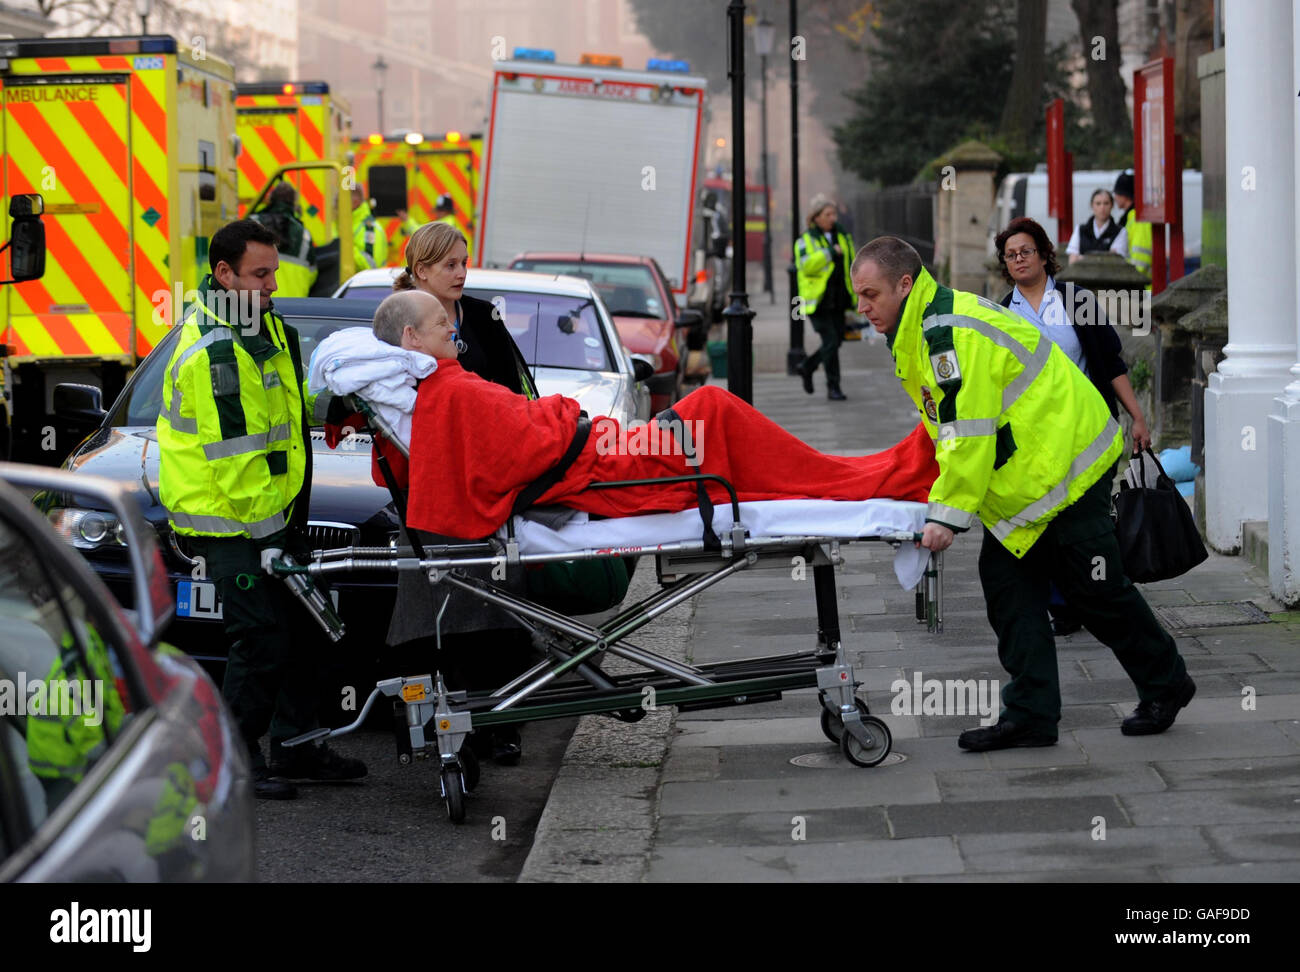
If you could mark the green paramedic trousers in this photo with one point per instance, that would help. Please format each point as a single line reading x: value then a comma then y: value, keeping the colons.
x: 271, y: 671
x: 1079, y: 551
x: 830, y: 328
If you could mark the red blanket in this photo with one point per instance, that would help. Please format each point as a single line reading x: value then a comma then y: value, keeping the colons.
x: 476, y: 445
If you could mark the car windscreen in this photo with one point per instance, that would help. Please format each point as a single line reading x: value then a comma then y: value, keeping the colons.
x: 143, y: 401
x: 376, y: 294
x: 626, y: 288
x: 552, y: 331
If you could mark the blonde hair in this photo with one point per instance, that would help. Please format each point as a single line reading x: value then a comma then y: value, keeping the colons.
x: 429, y: 244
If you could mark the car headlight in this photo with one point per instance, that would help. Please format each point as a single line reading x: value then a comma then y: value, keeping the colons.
x: 87, y: 529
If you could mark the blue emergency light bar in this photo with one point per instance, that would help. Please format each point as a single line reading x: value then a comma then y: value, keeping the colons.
x: 534, y: 54
x: 663, y: 64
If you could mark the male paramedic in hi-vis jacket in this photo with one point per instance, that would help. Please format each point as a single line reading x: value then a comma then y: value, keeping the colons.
x: 235, y: 477
x: 1026, y: 445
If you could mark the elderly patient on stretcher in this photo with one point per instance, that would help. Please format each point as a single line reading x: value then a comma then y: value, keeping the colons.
x: 476, y: 446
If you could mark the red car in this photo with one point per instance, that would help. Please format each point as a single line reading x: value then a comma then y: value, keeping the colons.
x: 640, y: 300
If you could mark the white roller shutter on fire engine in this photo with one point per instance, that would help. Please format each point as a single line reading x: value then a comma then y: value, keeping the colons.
x: 569, y: 173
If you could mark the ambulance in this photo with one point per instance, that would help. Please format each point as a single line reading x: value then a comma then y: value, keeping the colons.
x: 279, y: 122
x: 131, y: 142
x: 409, y: 171
x: 592, y: 158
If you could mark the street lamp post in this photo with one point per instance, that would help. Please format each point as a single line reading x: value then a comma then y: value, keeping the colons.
x: 144, y: 8
x: 380, y: 67
x: 764, y: 35
x: 795, y: 356
x: 739, y: 316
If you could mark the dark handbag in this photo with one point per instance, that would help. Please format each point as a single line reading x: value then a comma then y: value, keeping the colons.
x: 1157, y: 534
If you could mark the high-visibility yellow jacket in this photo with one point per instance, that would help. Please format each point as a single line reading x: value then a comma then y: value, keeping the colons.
x: 62, y: 745
x: 369, y: 244
x: 231, y: 434
x: 1139, y: 242
x: 814, y: 261
x: 1020, y: 433
x: 297, y: 272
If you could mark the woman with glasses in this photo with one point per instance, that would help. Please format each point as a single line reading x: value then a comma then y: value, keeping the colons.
x: 1071, y: 318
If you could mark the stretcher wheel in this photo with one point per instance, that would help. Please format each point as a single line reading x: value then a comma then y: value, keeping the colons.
x: 832, y: 726
x: 453, y: 793
x: 860, y: 755
x: 470, y: 764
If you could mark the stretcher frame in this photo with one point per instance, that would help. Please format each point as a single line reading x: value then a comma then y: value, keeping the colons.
x: 569, y: 681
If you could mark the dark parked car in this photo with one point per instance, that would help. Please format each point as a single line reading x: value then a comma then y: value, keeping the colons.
x: 346, y: 506
x: 118, y: 759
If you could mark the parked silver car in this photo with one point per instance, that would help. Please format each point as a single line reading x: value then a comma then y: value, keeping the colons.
x: 118, y: 759
x: 562, y: 328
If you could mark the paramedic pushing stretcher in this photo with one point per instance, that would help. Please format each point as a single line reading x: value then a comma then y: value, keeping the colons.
x: 466, y: 474
x: 1025, y: 444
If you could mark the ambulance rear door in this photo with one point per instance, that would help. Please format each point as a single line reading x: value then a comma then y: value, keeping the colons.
x: 66, y: 136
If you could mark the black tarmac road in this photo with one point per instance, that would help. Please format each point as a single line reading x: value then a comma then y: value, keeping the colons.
x: 392, y: 825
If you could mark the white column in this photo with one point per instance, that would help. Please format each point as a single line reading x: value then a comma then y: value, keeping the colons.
x: 1284, y: 419
x: 1261, y: 267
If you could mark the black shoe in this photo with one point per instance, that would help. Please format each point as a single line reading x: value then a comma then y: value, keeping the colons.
x: 309, y: 762
x: 506, y: 748
x: 1158, y: 715
x: 835, y: 395
x: 1062, y: 628
x: 1004, y: 735
x: 806, y: 376
x: 266, y: 787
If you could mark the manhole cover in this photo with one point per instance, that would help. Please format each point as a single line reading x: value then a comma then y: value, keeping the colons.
x: 1216, y: 614
x: 833, y: 760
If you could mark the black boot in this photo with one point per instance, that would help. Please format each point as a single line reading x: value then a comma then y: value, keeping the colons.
x: 805, y: 373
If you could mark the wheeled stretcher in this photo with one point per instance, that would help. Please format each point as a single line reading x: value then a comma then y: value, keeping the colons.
x: 693, y: 550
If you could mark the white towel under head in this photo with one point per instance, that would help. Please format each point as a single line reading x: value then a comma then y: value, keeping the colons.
x: 354, y: 361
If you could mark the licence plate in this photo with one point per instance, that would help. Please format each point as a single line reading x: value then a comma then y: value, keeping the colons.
x: 198, y: 599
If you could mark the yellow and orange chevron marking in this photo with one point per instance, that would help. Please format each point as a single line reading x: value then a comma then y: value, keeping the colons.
x: 66, y: 141
x: 444, y: 172
x: 295, y: 133
x: 433, y: 168
x: 153, y: 183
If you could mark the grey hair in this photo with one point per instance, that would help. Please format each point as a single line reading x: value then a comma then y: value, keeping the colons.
x: 399, y: 310
x: 895, y: 257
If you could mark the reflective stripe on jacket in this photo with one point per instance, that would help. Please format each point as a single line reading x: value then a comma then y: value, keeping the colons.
x: 1020, y: 431
x: 232, y: 453
x: 813, y: 261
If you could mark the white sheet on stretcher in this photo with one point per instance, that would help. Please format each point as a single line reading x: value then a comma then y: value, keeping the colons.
x: 839, y: 519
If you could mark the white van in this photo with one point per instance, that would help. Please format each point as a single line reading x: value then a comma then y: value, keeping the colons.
x: 1025, y: 194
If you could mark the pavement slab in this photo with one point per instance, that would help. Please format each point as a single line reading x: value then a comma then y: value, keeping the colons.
x: 1083, y: 849
x: 805, y: 861
x: 1255, y: 805
x: 1005, y: 816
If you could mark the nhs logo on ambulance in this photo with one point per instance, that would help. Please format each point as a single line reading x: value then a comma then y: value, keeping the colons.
x: 147, y: 63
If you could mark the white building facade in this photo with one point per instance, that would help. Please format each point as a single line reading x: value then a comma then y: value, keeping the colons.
x: 1252, y: 404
